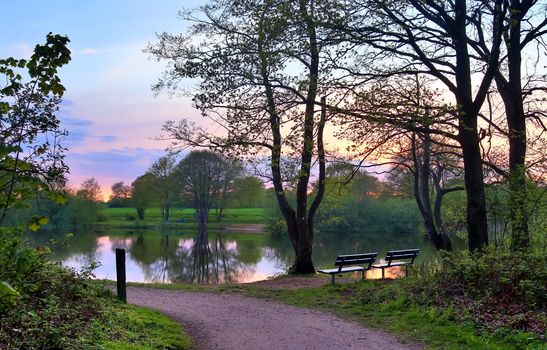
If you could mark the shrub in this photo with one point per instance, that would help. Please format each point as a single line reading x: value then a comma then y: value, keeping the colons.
x: 277, y: 227
x: 49, y: 307
x: 496, y: 289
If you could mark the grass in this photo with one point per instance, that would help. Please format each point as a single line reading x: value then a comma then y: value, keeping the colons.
x: 380, y: 305
x: 132, y: 327
x: 127, y: 217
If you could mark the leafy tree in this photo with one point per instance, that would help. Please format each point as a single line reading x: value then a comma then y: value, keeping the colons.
x: 163, y: 171
x: 248, y: 192
x: 90, y: 190
x: 31, y: 155
x: 121, y: 195
x: 262, y: 66
x: 205, y: 180
x: 144, y: 194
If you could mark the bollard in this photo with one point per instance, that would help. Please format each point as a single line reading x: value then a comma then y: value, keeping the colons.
x: 120, y: 274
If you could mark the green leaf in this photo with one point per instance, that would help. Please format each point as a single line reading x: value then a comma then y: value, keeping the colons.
x: 7, y: 290
x: 38, y: 222
x: 34, y: 227
x: 60, y: 199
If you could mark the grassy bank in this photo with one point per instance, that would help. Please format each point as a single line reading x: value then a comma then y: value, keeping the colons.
x: 385, y: 305
x: 46, y: 306
x: 179, y: 218
x: 132, y: 327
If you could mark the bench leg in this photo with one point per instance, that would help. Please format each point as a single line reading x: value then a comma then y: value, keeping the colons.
x: 406, y: 270
x: 362, y: 275
x: 333, y: 278
x: 383, y: 277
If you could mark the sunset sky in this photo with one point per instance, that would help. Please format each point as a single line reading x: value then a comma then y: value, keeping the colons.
x: 108, y: 109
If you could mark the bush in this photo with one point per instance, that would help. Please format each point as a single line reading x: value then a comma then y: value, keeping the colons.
x: 277, y: 227
x: 399, y: 216
x: 496, y: 289
x: 51, y: 307
x: 501, y: 276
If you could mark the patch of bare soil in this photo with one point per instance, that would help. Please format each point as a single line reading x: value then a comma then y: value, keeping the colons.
x: 299, y: 282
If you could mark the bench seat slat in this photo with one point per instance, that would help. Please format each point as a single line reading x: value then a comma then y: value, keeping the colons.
x: 393, y: 258
x: 351, y: 263
x: 404, y: 251
x: 397, y: 263
x: 402, y: 256
x: 343, y: 269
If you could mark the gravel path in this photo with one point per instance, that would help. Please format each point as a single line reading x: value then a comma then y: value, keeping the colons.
x: 233, y: 322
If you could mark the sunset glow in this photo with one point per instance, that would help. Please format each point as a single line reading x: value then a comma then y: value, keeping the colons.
x: 108, y: 109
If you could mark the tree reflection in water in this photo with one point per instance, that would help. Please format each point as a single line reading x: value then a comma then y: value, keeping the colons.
x: 193, y: 260
x: 208, y: 261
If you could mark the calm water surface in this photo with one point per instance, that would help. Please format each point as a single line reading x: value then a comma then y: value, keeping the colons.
x: 215, y: 256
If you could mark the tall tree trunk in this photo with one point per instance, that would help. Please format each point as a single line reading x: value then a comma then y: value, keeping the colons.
x: 477, y: 229
x: 511, y: 93
x: 445, y: 241
x: 439, y: 195
x: 140, y: 213
x: 203, y: 215
x: 300, y: 221
x: 421, y: 174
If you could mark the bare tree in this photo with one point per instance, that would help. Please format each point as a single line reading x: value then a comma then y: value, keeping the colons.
x: 90, y: 190
x: 435, y: 38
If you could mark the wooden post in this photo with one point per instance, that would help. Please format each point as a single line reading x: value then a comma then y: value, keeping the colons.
x: 120, y: 274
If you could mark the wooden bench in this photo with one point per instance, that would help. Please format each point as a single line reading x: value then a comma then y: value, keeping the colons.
x: 398, y: 258
x: 351, y: 263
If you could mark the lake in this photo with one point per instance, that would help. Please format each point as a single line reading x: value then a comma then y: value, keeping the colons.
x: 215, y: 256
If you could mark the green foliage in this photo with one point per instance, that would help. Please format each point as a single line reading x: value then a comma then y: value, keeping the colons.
x: 350, y: 206
x: 396, y: 215
x: 46, y: 306
x: 206, y: 179
x: 248, y: 192
x: 277, y: 227
x: 502, y: 276
x: 496, y: 289
x: 74, y: 214
x: 144, y: 194
x: 30, y: 93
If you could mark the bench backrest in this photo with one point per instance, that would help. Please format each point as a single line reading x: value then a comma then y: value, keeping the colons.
x: 365, y: 260
x: 407, y: 254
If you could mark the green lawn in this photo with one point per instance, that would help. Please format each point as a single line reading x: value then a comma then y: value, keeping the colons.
x: 136, y: 328
x: 127, y: 217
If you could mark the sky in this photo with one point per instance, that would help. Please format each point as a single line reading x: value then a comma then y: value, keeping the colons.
x: 109, y: 110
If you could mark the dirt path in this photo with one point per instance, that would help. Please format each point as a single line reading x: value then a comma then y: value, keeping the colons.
x: 233, y: 322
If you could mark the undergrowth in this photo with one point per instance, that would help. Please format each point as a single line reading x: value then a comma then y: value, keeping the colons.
x: 499, y: 291
x: 46, y: 306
